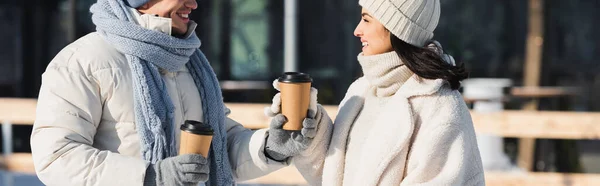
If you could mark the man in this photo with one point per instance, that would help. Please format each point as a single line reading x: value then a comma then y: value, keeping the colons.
x: 111, y: 104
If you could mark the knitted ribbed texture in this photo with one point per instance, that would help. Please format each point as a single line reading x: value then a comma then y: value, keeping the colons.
x: 135, y: 3
x: 412, y: 21
x: 385, y: 72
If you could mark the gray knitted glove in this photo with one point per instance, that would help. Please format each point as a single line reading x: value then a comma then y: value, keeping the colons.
x: 282, y: 144
x: 186, y: 170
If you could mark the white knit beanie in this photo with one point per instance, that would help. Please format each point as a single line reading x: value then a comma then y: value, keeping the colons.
x: 412, y: 21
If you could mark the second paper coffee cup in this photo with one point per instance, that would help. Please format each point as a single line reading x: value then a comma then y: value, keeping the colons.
x: 195, y: 138
x: 295, y: 97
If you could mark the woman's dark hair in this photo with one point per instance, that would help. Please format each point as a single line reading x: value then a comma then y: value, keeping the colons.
x: 428, y: 64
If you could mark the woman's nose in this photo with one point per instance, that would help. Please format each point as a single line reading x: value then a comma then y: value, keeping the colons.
x: 357, y: 31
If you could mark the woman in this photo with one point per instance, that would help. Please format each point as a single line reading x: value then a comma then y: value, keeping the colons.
x: 404, y: 122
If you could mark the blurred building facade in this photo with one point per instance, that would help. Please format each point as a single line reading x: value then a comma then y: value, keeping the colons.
x: 243, y: 39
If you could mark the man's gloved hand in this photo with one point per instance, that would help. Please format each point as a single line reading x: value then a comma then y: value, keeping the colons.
x: 187, y: 170
x: 282, y: 144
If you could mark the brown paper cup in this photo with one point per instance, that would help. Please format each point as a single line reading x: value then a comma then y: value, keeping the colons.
x: 295, y: 97
x: 194, y: 144
x: 196, y: 138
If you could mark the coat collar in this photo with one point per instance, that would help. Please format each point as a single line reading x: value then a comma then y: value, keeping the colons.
x: 387, y: 143
x: 417, y: 86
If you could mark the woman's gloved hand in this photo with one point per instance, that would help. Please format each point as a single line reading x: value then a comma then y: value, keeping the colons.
x: 282, y: 144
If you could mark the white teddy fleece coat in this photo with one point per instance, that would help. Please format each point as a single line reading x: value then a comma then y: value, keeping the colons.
x: 424, y: 136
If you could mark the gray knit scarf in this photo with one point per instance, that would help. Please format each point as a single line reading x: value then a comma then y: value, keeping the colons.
x: 147, y: 51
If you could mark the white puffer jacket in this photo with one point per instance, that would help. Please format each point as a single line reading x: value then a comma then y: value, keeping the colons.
x: 85, y: 131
